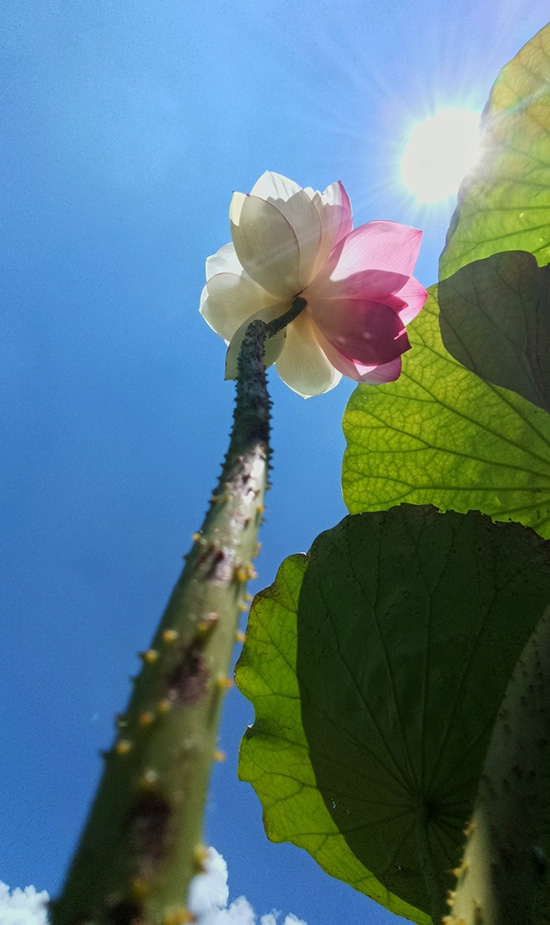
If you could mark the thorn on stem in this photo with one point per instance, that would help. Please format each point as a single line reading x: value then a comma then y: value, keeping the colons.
x: 150, y: 656
x: 148, y: 779
x: 170, y: 635
x: 200, y: 856
x: 206, y: 625
x: 179, y: 917
x: 139, y: 889
x: 123, y: 747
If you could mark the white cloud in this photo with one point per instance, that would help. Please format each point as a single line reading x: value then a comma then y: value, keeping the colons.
x: 208, y: 900
x: 23, y: 907
x: 209, y: 895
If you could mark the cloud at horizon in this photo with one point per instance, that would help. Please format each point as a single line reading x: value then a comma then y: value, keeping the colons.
x: 209, y: 897
x: 208, y: 900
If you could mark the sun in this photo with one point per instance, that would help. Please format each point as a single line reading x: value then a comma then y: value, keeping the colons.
x: 439, y: 153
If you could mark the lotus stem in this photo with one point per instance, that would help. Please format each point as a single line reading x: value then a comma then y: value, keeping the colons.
x: 504, y: 876
x: 141, y: 845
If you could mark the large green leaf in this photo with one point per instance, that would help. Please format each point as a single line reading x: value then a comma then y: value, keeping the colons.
x: 440, y: 435
x: 505, y: 203
x: 495, y: 319
x: 376, y: 666
x: 274, y: 752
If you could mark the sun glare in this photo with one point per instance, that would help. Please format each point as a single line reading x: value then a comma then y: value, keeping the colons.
x: 439, y: 153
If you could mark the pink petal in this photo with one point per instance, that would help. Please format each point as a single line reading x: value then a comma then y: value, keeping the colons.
x: 372, y: 285
x: 388, y: 372
x: 376, y: 246
x: 409, y: 300
x: 336, y: 198
x: 375, y: 375
x: 368, y: 332
x: 334, y: 211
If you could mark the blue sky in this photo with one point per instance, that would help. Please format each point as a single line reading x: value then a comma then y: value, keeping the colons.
x: 126, y: 126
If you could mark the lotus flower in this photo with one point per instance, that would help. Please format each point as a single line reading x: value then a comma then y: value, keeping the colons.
x: 360, y: 294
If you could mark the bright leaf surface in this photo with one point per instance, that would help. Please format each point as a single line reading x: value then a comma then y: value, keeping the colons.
x: 505, y: 203
x: 495, y: 319
x: 376, y: 666
x: 441, y: 435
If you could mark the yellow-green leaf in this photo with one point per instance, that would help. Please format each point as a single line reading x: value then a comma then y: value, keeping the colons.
x: 505, y: 203
x: 441, y: 435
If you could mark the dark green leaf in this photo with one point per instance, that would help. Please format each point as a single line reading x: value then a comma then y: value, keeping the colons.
x: 495, y: 319
x: 274, y: 752
x: 375, y: 697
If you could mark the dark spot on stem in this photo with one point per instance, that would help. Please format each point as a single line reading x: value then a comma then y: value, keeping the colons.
x: 188, y: 681
x: 127, y: 912
x: 147, y: 822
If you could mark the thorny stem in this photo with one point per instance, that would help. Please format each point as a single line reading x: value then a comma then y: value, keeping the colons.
x: 273, y: 327
x: 503, y: 878
x: 141, y: 844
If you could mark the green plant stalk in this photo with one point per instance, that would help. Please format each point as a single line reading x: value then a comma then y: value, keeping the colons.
x: 141, y: 846
x: 504, y: 878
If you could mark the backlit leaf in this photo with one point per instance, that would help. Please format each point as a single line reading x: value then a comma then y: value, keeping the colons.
x: 505, y: 203
x: 441, y: 435
x: 376, y: 666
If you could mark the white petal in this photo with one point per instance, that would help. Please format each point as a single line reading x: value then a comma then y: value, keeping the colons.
x: 302, y: 364
x: 266, y: 245
x: 304, y: 218
x: 204, y: 296
x: 334, y: 209
x: 228, y: 300
x: 273, y: 345
x: 274, y: 186
x: 224, y: 261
